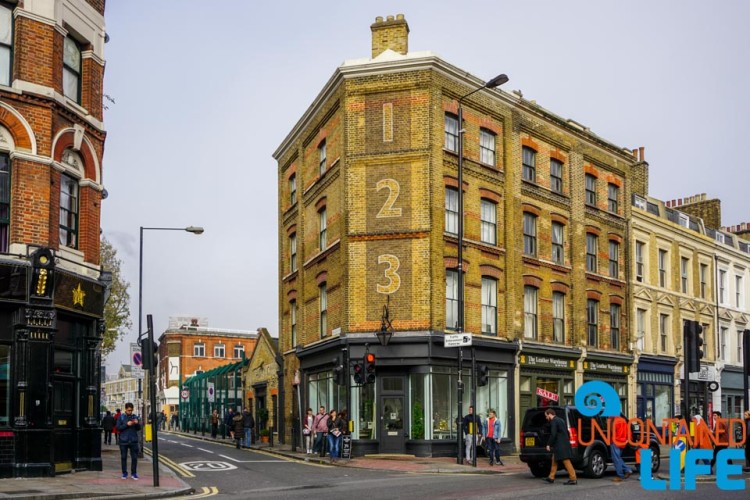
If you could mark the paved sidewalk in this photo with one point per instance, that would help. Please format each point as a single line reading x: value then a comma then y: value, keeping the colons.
x: 104, y: 484
x: 401, y: 463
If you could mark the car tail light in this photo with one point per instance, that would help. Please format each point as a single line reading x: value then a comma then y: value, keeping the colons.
x: 522, y: 442
x: 573, y: 437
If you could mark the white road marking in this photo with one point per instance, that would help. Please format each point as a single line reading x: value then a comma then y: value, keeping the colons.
x: 253, y: 461
x: 188, y: 445
x: 207, y: 451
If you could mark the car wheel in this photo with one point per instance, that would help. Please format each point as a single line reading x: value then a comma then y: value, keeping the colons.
x: 655, y: 460
x: 540, y: 469
x: 597, y: 464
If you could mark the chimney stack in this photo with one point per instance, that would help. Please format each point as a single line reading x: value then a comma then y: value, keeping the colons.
x: 393, y: 33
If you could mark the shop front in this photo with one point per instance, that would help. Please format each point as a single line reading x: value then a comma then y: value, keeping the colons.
x: 412, y: 406
x: 731, y: 392
x: 547, y: 377
x: 612, y: 369
x: 655, y: 388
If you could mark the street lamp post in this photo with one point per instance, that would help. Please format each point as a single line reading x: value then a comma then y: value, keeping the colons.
x: 150, y: 354
x: 495, y: 82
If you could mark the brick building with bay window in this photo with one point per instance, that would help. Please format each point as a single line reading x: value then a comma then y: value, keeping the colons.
x: 52, y: 288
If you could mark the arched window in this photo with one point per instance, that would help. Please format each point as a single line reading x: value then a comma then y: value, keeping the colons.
x: 4, y: 202
x: 69, y: 200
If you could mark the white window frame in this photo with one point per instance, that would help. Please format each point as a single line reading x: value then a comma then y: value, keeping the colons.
x: 487, y: 146
x: 530, y: 312
x: 238, y: 351
x: 199, y: 350
x: 558, y: 243
x: 451, y: 299
x: 451, y: 132
x: 488, y: 224
x: 663, y: 261
x: 529, y: 234
x: 322, y: 157
x: 663, y: 332
x: 220, y: 351
x: 323, y: 225
x: 489, y: 305
x: 684, y: 274
x: 722, y: 286
x: 640, y: 266
x: 451, y: 210
x: 558, y: 317
x: 323, y: 303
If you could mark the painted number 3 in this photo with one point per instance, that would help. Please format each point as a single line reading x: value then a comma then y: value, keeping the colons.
x: 393, y: 190
x: 391, y: 272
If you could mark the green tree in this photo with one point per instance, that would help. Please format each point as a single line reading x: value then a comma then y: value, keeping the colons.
x: 117, y: 310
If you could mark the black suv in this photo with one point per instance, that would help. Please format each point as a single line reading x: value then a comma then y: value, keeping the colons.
x: 592, y: 459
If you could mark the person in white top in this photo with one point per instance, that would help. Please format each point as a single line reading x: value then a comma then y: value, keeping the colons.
x: 307, y: 431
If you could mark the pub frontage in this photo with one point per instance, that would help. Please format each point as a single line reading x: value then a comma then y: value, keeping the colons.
x: 50, y: 330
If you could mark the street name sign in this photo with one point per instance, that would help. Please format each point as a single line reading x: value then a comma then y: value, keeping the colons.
x: 457, y: 340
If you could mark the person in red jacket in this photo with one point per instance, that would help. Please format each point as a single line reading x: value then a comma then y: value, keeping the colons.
x: 619, y: 440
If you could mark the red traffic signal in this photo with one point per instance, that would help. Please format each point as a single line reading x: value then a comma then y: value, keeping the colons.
x: 369, y: 368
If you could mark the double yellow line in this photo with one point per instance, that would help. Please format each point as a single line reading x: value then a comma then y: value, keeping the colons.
x: 206, y: 491
x: 171, y: 464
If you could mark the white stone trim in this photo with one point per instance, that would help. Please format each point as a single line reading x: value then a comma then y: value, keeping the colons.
x: 25, y: 12
x: 44, y: 160
x: 89, y: 54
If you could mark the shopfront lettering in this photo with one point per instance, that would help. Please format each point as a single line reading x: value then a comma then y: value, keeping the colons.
x: 546, y: 361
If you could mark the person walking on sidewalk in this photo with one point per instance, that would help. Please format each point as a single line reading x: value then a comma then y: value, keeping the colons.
x: 320, y: 427
x: 620, y: 438
x: 238, y: 429
x: 114, y: 430
x: 248, y: 423
x: 336, y: 428
x: 108, y: 423
x: 492, y: 438
x: 307, y: 431
x: 173, y: 422
x: 722, y: 436
x: 128, y: 426
x: 227, y: 423
x: 559, y: 445
x: 214, y: 423
x: 469, y: 422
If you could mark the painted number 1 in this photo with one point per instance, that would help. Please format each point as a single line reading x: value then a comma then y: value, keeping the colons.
x: 394, y: 280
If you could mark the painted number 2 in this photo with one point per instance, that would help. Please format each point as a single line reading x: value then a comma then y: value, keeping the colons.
x: 394, y: 280
x: 393, y: 191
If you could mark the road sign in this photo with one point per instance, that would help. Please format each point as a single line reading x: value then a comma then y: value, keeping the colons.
x: 211, y: 392
x: 136, y: 360
x: 457, y: 340
x: 185, y: 394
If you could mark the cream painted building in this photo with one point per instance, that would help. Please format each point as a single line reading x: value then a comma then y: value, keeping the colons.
x: 121, y: 390
x: 672, y: 280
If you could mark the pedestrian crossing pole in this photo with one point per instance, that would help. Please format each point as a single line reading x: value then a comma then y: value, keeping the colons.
x: 152, y: 399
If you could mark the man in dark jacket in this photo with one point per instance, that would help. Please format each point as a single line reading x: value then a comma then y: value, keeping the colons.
x: 248, y: 423
x: 108, y: 423
x: 228, y: 422
x: 559, y: 445
x: 128, y: 426
x: 238, y: 429
x: 469, y: 422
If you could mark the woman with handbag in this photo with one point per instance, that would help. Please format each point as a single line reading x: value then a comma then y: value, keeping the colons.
x: 307, y: 431
x: 335, y: 432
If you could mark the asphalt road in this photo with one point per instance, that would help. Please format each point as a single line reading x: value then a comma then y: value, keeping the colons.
x: 221, y: 471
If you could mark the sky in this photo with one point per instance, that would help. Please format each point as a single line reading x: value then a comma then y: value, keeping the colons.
x: 205, y: 91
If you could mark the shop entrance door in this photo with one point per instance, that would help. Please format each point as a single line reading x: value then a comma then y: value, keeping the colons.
x: 392, y: 437
x: 63, y: 420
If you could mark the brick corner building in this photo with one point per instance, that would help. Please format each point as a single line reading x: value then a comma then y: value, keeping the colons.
x: 52, y: 288
x: 368, y: 218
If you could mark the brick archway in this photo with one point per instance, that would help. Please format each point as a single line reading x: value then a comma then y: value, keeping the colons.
x: 64, y: 141
x: 22, y: 134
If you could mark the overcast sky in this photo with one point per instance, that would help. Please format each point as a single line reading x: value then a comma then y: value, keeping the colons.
x: 205, y: 91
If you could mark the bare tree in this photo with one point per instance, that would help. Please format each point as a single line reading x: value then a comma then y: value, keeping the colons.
x: 117, y: 310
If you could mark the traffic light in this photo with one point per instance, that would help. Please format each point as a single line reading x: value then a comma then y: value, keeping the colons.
x: 695, y: 344
x: 483, y: 375
x: 144, y: 353
x: 369, y: 368
x: 359, y: 373
x: 339, y: 373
